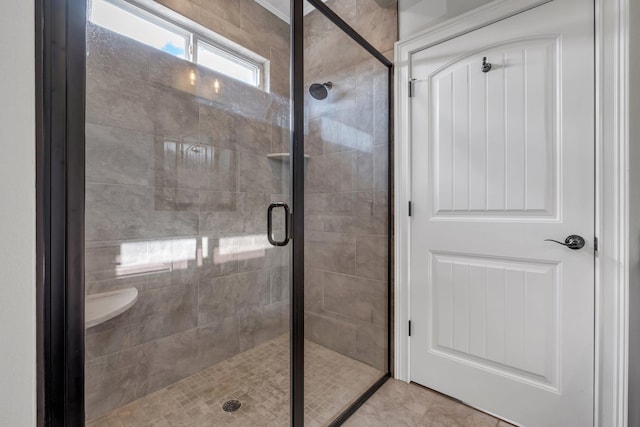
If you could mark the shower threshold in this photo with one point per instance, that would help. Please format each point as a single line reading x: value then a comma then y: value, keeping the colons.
x: 259, y: 380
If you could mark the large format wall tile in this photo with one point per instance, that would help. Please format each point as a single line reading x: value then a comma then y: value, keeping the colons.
x: 254, y: 206
x: 172, y: 358
x: 316, y: 172
x: 368, y: 215
x: 128, y: 212
x: 237, y: 127
x: 216, y: 126
x: 115, y: 380
x: 348, y: 131
x: 356, y: 297
x: 219, y: 258
x: 222, y: 223
x: 191, y: 165
x: 366, y: 174
x: 381, y: 167
x: 380, y: 27
x: 217, y: 341
x: 361, y: 212
x: 256, y: 253
x: 280, y: 67
x: 252, y: 134
x: 150, y: 263
x: 371, y: 345
x: 228, y: 12
x: 118, y: 101
x: 218, y: 201
x: 331, y: 252
x: 102, y: 262
x: 318, y: 131
x: 171, y: 199
x: 157, y: 313
x: 343, y: 171
x: 190, y: 9
x: 259, y: 174
x: 375, y: 20
x: 173, y: 114
x: 261, y: 324
x: 313, y: 293
x: 177, y: 356
x: 279, y: 284
x: 338, y: 335
x: 372, y: 256
x: 229, y: 295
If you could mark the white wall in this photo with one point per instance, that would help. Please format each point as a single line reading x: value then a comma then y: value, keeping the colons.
x: 634, y: 214
x: 17, y: 215
x: 417, y: 15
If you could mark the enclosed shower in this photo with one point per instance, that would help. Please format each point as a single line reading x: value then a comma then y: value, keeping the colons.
x: 188, y: 211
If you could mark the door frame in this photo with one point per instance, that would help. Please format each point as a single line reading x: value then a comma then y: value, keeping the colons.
x: 60, y: 168
x: 611, y: 192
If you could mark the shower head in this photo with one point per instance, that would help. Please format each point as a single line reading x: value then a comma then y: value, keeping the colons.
x: 320, y: 91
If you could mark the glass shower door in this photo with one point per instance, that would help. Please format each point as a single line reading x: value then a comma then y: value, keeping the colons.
x: 347, y: 217
x: 187, y: 145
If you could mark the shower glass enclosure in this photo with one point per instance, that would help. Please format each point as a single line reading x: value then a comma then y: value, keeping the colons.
x: 188, y: 279
x: 346, y: 218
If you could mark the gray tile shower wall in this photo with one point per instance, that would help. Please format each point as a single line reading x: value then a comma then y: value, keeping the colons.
x: 178, y: 183
x: 346, y: 181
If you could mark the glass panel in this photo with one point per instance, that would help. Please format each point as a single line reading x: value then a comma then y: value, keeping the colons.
x: 346, y: 220
x: 218, y: 60
x: 123, y: 21
x: 187, y: 301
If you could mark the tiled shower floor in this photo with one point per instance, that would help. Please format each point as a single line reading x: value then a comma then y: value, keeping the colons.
x: 259, y: 378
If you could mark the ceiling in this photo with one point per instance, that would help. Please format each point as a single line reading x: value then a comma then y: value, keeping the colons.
x: 280, y: 8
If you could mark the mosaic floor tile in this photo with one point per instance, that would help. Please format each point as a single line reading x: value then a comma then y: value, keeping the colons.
x: 259, y: 379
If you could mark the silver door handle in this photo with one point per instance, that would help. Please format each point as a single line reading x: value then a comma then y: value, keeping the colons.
x: 574, y: 242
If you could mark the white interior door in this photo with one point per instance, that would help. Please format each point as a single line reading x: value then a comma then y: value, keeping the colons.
x: 502, y: 160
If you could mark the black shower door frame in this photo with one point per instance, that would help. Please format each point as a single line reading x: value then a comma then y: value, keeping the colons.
x: 297, y: 196
x: 60, y: 164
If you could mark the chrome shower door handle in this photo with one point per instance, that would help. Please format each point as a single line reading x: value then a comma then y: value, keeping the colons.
x: 574, y: 242
x: 272, y: 206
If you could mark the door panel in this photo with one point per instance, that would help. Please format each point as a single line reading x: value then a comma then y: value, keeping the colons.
x: 346, y: 210
x: 498, y: 314
x: 474, y: 114
x: 502, y: 159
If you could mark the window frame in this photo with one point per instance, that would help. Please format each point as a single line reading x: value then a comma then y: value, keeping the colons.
x: 168, y: 19
x: 256, y: 69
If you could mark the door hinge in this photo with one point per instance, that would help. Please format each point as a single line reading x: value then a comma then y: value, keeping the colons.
x: 409, y: 207
x: 409, y: 327
x: 412, y: 88
x: 595, y: 243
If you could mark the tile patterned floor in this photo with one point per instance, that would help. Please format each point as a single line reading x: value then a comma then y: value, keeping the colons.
x: 259, y: 378
x: 400, y: 404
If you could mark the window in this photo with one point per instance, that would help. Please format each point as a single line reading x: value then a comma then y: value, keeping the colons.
x: 156, y: 29
x: 225, y: 63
